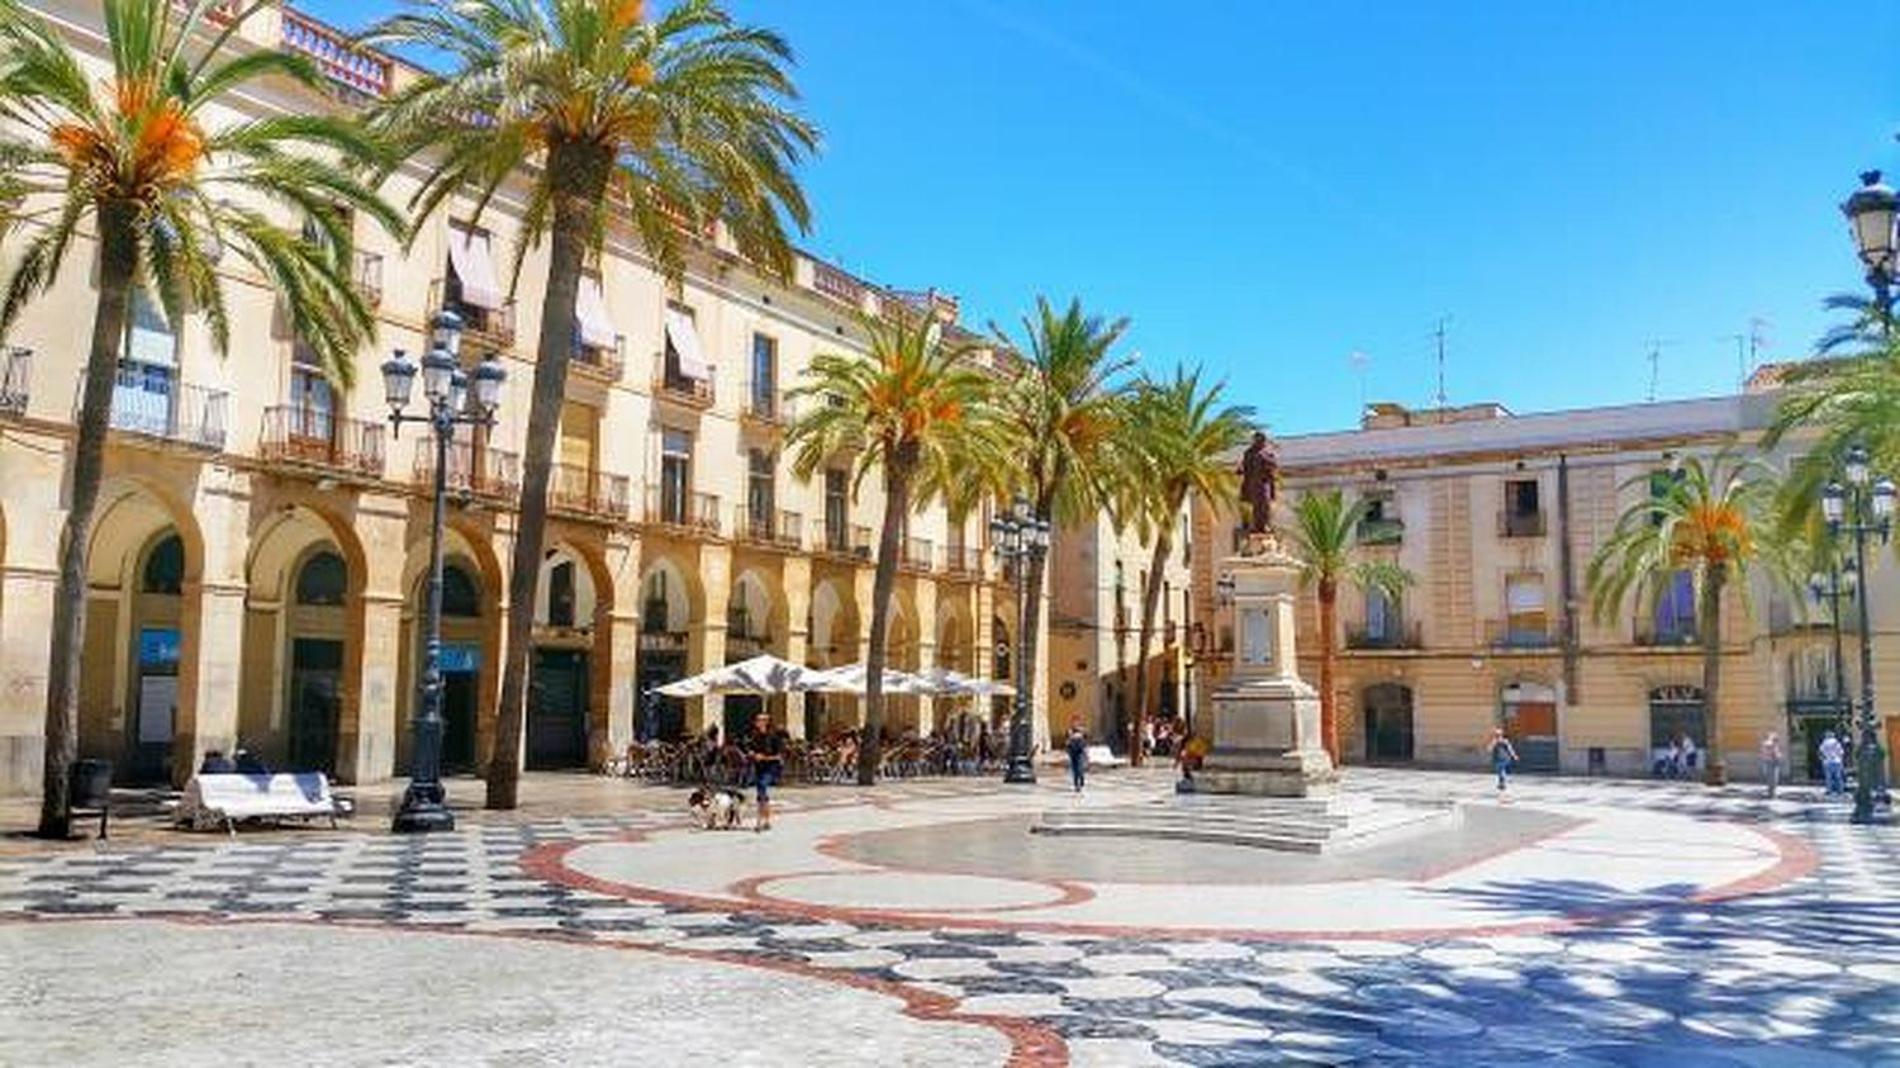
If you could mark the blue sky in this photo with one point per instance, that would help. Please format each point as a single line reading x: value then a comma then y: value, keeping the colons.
x: 1266, y: 188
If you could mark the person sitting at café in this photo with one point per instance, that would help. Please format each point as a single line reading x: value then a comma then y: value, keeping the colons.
x: 216, y: 763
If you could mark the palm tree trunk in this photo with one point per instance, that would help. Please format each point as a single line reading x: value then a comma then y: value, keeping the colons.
x: 118, y: 265
x: 883, y: 585
x: 579, y: 174
x: 1328, y: 703
x: 1150, y: 596
x: 1716, y: 773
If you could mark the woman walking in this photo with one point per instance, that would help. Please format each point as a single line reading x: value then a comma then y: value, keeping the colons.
x: 1503, y: 755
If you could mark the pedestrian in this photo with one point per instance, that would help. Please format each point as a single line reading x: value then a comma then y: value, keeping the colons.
x: 1188, y: 756
x: 1672, y: 759
x: 1833, y: 764
x: 766, y: 747
x: 1078, y: 748
x: 1503, y: 755
x: 1771, y: 762
x: 1688, y: 755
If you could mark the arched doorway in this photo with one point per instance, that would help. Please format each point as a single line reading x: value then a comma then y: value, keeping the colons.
x: 748, y: 634
x: 558, y: 677
x: 1388, y: 722
x: 833, y: 642
x: 1529, y: 714
x: 1676, y: 712
x: 316, y: 630
x: 470, y: 656
x: 666, y: 615
x: 461, y: 662
x: 158, y: 634
x: 1002, y: 668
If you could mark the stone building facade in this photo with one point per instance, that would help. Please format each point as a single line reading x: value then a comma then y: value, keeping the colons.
x: 1496, y: 516
x: 257, y: 561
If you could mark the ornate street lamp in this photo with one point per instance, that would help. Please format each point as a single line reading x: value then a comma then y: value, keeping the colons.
x: 1020, y: 538
x: 1870, y: 215
x: 1860, y: 509
x: 445, y: 389
x: 1833, y: 586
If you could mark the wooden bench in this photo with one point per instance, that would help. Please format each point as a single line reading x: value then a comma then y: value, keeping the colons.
x: 226, y: 799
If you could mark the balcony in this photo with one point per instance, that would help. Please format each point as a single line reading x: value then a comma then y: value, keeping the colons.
x: 1520, y: 524
x: 782, y: 529
x: 898, y: 306
x: 606, y: 364
x: 963, y: 563
x: 1391, y: 636
x: 587, y: 492
x: 917, y: 556
x: 358, y: 73
x: 1381, y: 531
x: 845, y: 542
x: 837, y: 285
x: 16, y: 383
x: 766, y: 409
x: 492, y: 326
x: 693, y: 393
x: 309, y: 437
x: 366, y: 276
x: 687, y: 513
x: 484, y: 472
x: 167, y: 409
x: 1520, y: 634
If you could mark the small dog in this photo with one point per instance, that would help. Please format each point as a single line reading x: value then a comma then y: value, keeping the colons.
x: 718, y: 809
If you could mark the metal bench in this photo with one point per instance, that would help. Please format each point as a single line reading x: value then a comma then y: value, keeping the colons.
x: 214, y: 799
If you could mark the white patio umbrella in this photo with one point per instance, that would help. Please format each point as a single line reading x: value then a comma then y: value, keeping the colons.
x: 852, y: 679
x: 764, y: 674
x: 945, y: 682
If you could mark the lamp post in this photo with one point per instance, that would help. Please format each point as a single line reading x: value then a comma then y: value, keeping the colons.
x: 1870, y: 212
x: 445, y: 390
x: 1020, y: 538
x: 1863, y: 507
x: 1835, y: 585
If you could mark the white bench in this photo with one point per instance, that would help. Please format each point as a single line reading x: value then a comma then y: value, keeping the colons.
x: 1101, y: 756
x: 225, y: 799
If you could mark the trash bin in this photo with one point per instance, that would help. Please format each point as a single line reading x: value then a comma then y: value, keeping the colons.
x: 1599, y: 761
x: 89, y: 789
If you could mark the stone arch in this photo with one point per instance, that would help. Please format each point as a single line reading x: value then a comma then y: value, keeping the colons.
x: 671, y: 603
x: 137, y: 686
x: 956, y: 636
x: 754, y: 618
x: 471, y: 647
x: 834, y: 624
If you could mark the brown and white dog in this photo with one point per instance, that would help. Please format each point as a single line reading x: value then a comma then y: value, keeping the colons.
x: 717, y: 808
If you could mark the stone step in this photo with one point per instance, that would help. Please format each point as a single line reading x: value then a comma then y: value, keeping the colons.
x: 1248, y: 823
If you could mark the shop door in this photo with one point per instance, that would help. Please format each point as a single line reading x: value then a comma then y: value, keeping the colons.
x: 1532, y: 728
x: 316, y: 671
x: 155, y: 712
x: 557, y: 710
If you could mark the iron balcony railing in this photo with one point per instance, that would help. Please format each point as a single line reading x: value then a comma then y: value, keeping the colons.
x: 680, y: 389
x: 1381, y: 531
x: 1520, y: 634
x: 168, y: 409
x: 588, y: 491
x: 694, y: 512
x: 1520, y: 524
x: 311, y: 437
x: 608, y: 363
x: 1387, y: 636
x: 494, y: 326
x: 918, y: 554
x: 840, y: 539
x: 484, y: 472
x: 963, y: 561
x: 780, y: 529
x: 836, y: 284
x: 16, y: 383
x: 766, y: 407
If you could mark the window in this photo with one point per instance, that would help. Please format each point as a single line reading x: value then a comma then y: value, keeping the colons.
x: 471, y: 288
x: 759, y: 492
x: 1525, y: 620
x: 312, y: 401
x: 764, y: 375
x: 1661, y: 485
x: 164, y: 570
x: 1380, y: 525
x: 1382, y: 616
x: 323, y: 580
x: 142, y: 395
x: 1523, y: 515
x: 461, y: 597
x: 837, y: 511
x: 653, y: 606
x: 685, y: 364
x: 561, y: 594
x: 1675, y: 610
x: 676, y: 474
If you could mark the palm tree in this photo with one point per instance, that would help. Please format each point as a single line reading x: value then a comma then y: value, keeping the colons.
x: 1066, y: 410
x: 672, y: 125
x: 916, y: 411
x: 130, y: 155
x: 1324, y: 535
x: 1709, y: 519
x: 1833, y: 403
x: 1186, y: 439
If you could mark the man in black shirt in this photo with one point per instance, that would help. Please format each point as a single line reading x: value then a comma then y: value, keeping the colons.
x: 766, y: 747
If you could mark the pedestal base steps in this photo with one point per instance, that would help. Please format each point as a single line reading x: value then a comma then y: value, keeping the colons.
x: 1287, y: 824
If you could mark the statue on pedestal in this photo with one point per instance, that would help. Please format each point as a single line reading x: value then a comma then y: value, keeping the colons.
x: 1259, y: 472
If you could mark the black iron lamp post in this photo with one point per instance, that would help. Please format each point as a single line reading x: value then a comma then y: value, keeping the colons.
x: 1020, y: 538
x: 1870, y: 215
x: 1863, y: 507
x: 445, y: 389
x: 1834, y: 586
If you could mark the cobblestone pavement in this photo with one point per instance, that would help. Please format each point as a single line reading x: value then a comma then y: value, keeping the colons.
x: 1800, y: 973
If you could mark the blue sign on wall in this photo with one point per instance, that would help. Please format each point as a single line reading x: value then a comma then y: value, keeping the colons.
x: 158, y: 649
x: 461, y: 658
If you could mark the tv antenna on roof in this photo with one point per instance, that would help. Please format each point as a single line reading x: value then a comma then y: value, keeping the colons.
x: 1438, y: 336
x: 1655, y: 366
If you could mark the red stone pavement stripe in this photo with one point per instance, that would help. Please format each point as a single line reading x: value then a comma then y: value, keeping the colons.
x: 1032, y: 1045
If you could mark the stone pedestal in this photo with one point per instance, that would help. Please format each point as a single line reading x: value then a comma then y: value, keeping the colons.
x: 1266, y: 718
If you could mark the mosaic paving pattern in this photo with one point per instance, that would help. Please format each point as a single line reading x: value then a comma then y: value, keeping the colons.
x: 1807, y: 974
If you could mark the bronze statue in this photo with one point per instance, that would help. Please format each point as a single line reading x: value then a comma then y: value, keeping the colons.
x: 1259, y: 471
